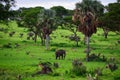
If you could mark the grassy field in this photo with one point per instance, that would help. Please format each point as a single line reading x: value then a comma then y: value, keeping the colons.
x: 15, y: 61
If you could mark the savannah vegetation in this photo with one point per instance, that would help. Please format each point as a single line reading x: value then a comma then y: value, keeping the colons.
x: 57, y: 43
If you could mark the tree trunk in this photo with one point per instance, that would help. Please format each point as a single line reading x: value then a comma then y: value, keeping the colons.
x: 42, y: 39
x: 76, y: 38
x: 88, y: 48
x: 77, y: 43
x: 105, y: 34
x: 47, y: 41
x: 35, y: 38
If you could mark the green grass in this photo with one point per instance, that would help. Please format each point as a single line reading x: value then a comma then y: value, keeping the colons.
x: 14, y: 61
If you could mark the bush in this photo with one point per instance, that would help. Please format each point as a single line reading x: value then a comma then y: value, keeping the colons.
x: 72, y: 75
x: 74, y: 38
x: 118, y: 41
x: 56, y: 74
x: 5, y: 30
x: 53, y: 49
x: 95, y: 57
x: 117, y: 75
x: 7, y: 45
x: 98, y: 71
x: 92, y: 77
x: 112, y: 64
x: 78, y: 68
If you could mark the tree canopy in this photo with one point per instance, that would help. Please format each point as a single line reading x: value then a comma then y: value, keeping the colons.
x: 118, y: 1
x: 60, y: 11
x: 5, y: 9
x: 111, y: 19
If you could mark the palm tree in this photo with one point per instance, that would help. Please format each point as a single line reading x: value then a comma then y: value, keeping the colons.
x: 86, y: 13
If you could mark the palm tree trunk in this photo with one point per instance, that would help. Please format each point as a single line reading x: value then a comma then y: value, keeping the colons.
x: 88, y: 48
x: 47, y: 41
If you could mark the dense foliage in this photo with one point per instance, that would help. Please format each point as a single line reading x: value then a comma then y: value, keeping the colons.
x: 5, y: 9
x: 111, y: 19
x: 60, y: 11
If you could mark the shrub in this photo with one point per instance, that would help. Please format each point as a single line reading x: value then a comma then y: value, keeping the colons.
x: 7, y: 45
x: 72, y: 75
x: 63, y: 44
x: 53, y: 49
x: 55, y: 65
x: 24, y: 41
x: 112, y: 66
x: 5, y: 30
x: 98, y: 71
x: 90, y: 77
x: 74, y: 38
x: 78, y: 68
x: 45, y: 68
x: 56, y: 74
x: 117, y: 75
x: 11, y: 33
x: 118, y: 41
x: 94, y: 57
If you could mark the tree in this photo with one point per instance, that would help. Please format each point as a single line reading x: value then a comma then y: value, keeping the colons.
x: 104, y: 22
x: 47, y: 19
x: 118, y: 1
x: 86, y: 13
x: 40, y: 21
x: 29, y: 18
x: 110, y: 21
x: 60, y: 11
x: 5, y: 9
x: 114, y: 16
x: 73, y: 28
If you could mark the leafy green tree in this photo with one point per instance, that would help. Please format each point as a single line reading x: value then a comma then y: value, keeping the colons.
x: 70, y: 12
x: 104, y: 22
x: 40, y: 21
x: 73, y: 28
x: 110, y: 21
x: 29, y: 18
x: 60, y: 11
x: 114, y: 16
x: 47, y: 19
x: 87, y: 13
x: 118, y: 1
x: 5, y: 9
